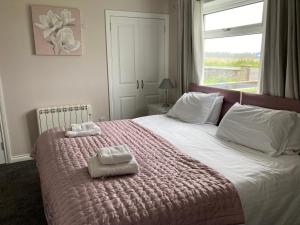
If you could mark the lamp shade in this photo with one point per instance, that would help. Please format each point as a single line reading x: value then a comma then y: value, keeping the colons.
x: 166, y: 84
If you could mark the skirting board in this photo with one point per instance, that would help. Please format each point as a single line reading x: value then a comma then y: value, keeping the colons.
x: 20, y: 158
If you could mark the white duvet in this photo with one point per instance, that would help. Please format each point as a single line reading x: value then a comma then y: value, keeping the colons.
x: 269, y: 188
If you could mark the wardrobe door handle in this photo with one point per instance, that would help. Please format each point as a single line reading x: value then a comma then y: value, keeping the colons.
x: 137, y: 84
x: 142, y: 84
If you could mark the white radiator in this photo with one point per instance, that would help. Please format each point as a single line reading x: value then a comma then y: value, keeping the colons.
x: 62, y: 116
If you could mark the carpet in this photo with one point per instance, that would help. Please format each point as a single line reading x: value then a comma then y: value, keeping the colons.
x: 20, y: 195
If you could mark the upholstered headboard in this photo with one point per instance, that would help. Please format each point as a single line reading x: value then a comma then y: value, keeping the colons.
x: 230, y: 97
x: 270, y: 102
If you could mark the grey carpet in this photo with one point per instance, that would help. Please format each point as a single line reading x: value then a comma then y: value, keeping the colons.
x: 20, y: 195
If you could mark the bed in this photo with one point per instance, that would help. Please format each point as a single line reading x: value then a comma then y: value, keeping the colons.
x: 195, y: 178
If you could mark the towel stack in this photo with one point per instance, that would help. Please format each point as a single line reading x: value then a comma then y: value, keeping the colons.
x: 83, y: 130
x: 112, y: 161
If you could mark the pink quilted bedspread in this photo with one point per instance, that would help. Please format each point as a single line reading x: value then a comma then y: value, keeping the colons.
x: 171, y: 188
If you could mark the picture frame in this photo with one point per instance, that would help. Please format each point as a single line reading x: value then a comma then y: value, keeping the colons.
x: 56, y: 30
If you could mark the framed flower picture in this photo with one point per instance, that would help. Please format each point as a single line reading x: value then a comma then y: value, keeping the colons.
x: 57, y: 30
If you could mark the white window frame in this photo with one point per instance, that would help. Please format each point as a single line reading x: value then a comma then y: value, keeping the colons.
x: 215, y: 6
x: 221, y: 5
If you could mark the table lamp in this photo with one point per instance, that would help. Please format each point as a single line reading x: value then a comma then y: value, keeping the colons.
x: 166, y: 84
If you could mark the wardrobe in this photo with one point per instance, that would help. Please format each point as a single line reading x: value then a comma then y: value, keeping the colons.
x: 138, y: 54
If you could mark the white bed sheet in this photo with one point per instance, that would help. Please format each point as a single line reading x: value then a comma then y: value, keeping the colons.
x: 269, y: 188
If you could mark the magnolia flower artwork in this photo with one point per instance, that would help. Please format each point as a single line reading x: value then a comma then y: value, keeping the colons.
x: 57, y: 31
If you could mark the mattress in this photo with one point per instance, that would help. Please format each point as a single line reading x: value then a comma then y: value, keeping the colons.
x: 269, y: 188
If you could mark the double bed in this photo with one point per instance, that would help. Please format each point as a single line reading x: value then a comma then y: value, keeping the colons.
x: 269, y: 188
x: 187, y: 175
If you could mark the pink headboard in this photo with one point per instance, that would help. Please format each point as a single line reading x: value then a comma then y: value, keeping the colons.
x: 230, y: 97
x: 270, y: 102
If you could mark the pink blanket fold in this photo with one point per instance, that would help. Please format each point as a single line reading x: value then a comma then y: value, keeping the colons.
x: 171, y: 188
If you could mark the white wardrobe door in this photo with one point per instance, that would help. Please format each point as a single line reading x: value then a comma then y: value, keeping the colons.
x: 125, y: 62
x: 152, y: 56
x: 138, y: 60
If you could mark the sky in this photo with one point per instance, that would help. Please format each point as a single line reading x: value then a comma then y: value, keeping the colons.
x: 238, y: 44
x: 250, y: 14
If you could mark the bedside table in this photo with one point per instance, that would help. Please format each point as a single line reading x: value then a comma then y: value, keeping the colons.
x: 155, y: 109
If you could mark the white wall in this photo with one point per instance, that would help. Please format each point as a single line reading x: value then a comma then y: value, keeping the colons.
x: 31, y: 81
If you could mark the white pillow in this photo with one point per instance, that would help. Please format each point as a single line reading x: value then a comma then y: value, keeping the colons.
x: 215, y: 113
x: 265, y: 130
x: 193, y: 107
x: 293, y: 145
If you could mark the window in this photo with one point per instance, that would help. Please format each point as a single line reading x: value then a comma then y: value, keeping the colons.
x: 233, y: 38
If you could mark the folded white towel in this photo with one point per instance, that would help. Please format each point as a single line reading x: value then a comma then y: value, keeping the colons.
x: 83, y: 126
x: 83, y: 133
x: 76, y: 127
x: 83, y: 130
x: 96, y: 169
x: 114, y: 155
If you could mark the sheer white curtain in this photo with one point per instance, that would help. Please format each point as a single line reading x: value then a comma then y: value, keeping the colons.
x: 281, y: 64
x: 190, y: 43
